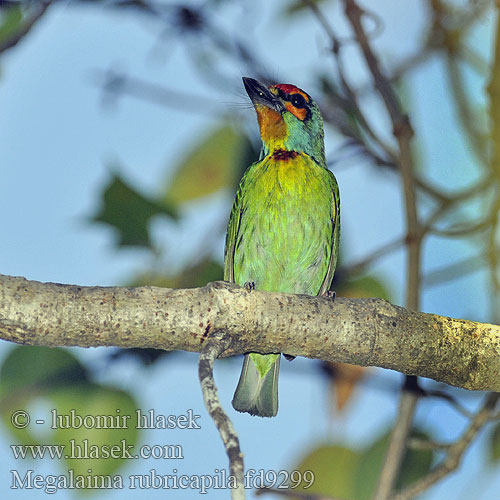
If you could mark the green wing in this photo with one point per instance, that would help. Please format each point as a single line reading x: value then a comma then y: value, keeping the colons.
x: 232, y: 234
x: 335, y: 234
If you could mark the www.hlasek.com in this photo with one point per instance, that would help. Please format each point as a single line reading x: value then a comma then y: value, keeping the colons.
x: 85, y: 450
x: 219, y: 480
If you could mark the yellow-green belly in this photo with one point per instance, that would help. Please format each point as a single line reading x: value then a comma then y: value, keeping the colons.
x: 284, y: 238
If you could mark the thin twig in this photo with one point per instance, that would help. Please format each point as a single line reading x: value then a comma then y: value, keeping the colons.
x: 464, y: 230
x: 494, y: 100
x: 411, y: 63
x: 452, y: 401
x: 493, y: 246
x: 384, y: 250
x: 350, y: 95
x: 464, y: 108
x: 448, y: 202
x: 115, y: 84
x: 457, y: 270
x: 425, y: 445
x: 455, y: 451
x: 434, y: 43
x: 403, y: 133
x: 213, y: 348
x: 450, y: 39
x: 447, y: 197
x: 397, y: 445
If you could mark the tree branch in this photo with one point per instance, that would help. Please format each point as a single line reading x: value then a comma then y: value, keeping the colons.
x: 212, y: 349
x: 403, y: 132
x: 367, y: 332
x: 455, y: 451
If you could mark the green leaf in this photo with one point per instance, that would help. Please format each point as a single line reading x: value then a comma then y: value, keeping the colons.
x: 341, y: 472
x: 29, y: 373
x: 365, y: 286
x: 195, y: 276
x: 130, y: 212
x: 416, y: 464
x: 494, y: 448
x: 96, y: 404
x: 298, y: 6
x: 214, y: 163
x: 55, y: 378
x: 10, y: 21
x: 334, y: 468
x: 345, y: 119
x: 37, y: 367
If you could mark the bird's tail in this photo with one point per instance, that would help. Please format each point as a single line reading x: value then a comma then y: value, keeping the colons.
x: 257, y: 391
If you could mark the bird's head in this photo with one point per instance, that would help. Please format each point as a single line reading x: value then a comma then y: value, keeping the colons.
x: 288, y: 119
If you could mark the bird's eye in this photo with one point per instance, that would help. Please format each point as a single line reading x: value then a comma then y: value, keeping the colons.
x: 298, y: 101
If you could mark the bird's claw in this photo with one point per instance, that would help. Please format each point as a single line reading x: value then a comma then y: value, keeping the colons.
x: 330, y: 294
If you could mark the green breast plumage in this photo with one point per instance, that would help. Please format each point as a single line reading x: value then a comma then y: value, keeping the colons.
x: 283, y: 231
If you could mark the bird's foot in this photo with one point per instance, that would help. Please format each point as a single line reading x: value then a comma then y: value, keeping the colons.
x: 330, y: 295
x: 249, y: 285
x: 289, y: 357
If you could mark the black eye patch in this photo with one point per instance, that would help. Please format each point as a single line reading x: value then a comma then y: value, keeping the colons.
x: 298, y: 100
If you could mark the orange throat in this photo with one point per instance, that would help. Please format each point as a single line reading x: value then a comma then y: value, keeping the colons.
x: 272, y: 126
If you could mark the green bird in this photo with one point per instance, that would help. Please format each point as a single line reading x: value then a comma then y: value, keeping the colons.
x: 284, y: 228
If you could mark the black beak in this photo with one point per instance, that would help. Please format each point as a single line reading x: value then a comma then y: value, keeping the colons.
x: 259, y: 94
